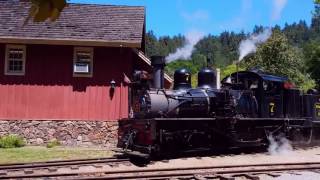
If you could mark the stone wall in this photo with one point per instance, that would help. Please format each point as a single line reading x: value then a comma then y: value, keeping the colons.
x: 69, y: 133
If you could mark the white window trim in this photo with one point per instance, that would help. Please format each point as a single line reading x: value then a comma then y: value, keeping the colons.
x: 87, y: 49
x: 6, y: 72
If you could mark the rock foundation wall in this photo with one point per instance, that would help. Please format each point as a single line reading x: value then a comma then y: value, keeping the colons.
x: 69, y: 133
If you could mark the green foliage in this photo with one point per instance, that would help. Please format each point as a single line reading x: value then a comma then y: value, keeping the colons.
x: 53, y: 143
x: 297, y: 33
x: 223, y: 49
x: 32, y: 154
x: 306, y: 82
x: 194, y: 80
x: 312, y: 55
x: 226, y: 71
x: 12, y: 141
x: 42, y: 10
x: 162, y: 46
x: 315, y: 21
x: 199, y: 60
x: 171, y: 67
x: 277, y: 56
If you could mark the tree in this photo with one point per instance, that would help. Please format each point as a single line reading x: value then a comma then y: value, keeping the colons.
x: 151, y: 44
x: 227, y: 71
x: 199, y: 60
x: 312, y: 55
x: 278, y: 57
x: 42, y: 10
x: 258, y: 29
x: 315, y: 22
x: 297, y: 33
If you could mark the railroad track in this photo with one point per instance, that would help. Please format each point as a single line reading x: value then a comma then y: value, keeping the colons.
x: 61, y: 163
x: 55, y: 168
x: 207, y: 172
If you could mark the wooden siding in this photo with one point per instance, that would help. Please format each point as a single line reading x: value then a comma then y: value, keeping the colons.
x: 49, y: 91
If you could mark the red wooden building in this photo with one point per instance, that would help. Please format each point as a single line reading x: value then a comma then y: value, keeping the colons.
x: 77, y: 68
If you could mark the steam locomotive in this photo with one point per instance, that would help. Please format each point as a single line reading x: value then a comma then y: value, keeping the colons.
x: 249, y: 107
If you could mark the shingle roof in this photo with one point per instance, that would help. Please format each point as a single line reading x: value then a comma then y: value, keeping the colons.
x: 78, y: 23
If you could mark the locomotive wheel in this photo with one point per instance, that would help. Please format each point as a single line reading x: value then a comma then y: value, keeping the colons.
x: 301, y: 136
x: 139, y: 161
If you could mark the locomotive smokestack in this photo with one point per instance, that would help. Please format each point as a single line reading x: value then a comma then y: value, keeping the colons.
x: 208, y: 62
x: 158, y: 63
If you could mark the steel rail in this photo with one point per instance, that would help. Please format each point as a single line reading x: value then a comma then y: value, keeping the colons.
x: 60, y: 163
x: 190, y: 173
x: 176, y: 172
x: 55, y: 161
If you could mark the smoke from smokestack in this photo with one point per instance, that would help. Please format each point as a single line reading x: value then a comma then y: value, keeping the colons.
x: 278, y: 6
x: 279, y: 146
x: 250, y: 45
x: 192, y: 38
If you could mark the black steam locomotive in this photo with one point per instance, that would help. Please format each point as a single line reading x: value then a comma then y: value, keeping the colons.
x: 248, y: 108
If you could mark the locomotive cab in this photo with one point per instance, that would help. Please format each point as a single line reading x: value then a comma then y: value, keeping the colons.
x: 267, y: 91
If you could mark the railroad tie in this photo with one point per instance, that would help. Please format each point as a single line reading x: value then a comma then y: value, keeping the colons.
x: 97, y: 166
x: 272, y: 174
x: 199, y: 177
x: 248, y: 176
x: 315, y: 171
x: 293, y: 173
x: 74, y: 167
x: 28, y: 172
x: 52, y: 169
x: 225, y: 177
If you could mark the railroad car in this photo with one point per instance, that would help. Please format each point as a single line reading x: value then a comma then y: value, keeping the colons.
x: 250, y: 107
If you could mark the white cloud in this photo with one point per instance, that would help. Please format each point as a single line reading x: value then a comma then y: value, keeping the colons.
x: 197, y: 15
x: 239, y: 21
x: 278, y: 6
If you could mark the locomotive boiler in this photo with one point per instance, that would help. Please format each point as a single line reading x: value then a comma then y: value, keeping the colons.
x: 249, y: 107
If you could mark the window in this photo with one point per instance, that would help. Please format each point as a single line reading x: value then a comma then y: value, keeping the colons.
x: 83, y: 62
x: 15, y: 60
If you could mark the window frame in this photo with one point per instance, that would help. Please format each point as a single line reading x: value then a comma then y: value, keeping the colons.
x: 6, y: 65
x: 85, y: 49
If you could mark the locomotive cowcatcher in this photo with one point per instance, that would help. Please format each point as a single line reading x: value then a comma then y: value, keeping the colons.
x: 250, y: 107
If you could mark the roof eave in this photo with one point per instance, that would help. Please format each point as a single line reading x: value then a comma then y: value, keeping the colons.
x: 72, y: 42
x: 148, y: 62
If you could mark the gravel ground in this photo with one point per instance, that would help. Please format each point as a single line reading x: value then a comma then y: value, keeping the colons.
x: 293, y: 176
x: 299, y: 155
x: 292, y: 156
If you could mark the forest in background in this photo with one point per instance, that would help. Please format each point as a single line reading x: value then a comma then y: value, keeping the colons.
x: 292, y: 51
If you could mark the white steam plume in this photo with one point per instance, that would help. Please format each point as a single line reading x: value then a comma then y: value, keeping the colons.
x: 250, y: 45
x: 192, y: 38
x: 278, y: 6
x: 279, y: 146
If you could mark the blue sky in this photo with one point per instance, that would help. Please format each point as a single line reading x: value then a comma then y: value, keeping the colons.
x: 172, y: 17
